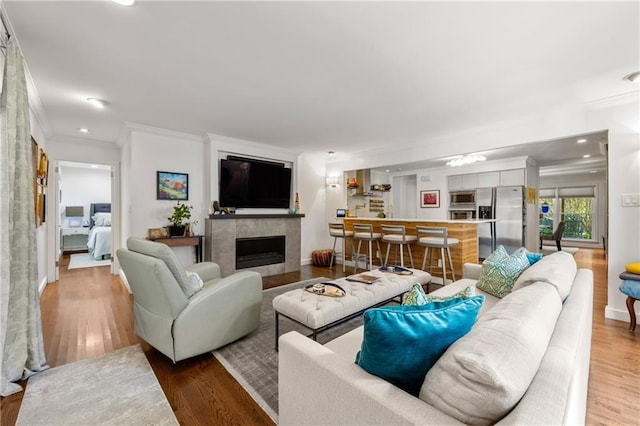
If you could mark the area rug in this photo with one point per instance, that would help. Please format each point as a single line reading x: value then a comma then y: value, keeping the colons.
x: 253, y: 360
x: 552, y: 249
x: 117, y: 388
x: 84, y: 260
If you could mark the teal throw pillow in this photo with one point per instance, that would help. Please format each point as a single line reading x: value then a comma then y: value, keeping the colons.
x: 417, y: 297
x: 500, y: 271
x: 531, y: 257
x: 401, y: 343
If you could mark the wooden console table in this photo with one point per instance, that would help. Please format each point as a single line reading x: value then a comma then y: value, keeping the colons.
x: 194, y: 240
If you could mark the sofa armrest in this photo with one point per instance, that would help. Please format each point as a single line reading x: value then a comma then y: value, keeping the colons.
x: 319, y: 387
x: 206, y: 270
x: 471, y: 271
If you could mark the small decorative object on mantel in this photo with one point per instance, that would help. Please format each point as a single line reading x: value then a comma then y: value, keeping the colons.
x: 217, y: 210
x: 179, y: 219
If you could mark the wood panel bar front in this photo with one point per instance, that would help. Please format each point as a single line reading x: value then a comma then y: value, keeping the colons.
x: 466, y: 251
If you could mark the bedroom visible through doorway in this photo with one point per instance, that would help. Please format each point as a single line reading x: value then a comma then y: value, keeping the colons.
x: 84, y: 215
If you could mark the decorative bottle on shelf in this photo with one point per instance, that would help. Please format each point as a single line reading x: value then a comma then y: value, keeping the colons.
x: 297, y: 204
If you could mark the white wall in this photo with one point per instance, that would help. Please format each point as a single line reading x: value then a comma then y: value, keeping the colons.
x: 155, y: 151
x: 81, y: 186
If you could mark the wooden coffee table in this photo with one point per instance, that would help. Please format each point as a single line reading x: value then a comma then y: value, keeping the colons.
x: 318, y: 313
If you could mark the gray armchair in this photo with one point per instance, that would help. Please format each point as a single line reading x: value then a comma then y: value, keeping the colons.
x: 177, y: 317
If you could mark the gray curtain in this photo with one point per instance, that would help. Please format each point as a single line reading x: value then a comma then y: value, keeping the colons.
x: 21, y: 345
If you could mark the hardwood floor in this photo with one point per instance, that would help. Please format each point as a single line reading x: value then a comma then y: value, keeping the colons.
x: 88, y: 313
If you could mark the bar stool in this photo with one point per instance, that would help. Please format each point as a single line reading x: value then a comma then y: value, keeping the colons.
x: 436, y: 238
x: 397, y: 235
x: 364, y: 232
x: 336, y: 230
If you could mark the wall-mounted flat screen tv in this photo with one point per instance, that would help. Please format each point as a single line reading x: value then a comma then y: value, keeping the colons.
x: 254, y: 184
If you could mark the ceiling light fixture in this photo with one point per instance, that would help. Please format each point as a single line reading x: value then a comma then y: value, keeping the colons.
x: 98, y: 103
x: 84, y: 130
x: 124, y: 2
x: 632, y: 77
x: 581, y: 140
x: 586, y: 156
x: 331, y: 152
x: 466, y: 159
x: 593, y: 171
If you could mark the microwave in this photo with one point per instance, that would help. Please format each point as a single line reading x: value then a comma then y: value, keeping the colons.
x: 462, y: 199
x: 462, y: 214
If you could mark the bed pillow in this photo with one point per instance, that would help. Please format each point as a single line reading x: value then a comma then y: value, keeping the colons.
x: 102, y: 219
x: 500, y: 271
x: 401, y: 343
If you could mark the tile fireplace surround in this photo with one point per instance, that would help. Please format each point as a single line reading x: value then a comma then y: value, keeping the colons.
x: 221, y: 233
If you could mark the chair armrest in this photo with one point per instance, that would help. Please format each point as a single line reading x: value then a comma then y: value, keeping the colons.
x: 471, y: 271
x: 206, y: 270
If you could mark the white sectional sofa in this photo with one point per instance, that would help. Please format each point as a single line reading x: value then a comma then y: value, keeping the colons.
x: 535, y: 341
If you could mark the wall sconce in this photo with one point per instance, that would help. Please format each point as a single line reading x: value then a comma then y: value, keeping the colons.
x: 333, y: 181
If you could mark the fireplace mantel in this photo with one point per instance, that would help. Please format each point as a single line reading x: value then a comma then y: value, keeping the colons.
x: 221, y: 232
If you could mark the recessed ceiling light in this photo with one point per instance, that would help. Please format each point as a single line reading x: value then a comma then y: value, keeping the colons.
x: 586, y: 156
x: 94, y: 166
x: 124, y: 2
x: 98, y: 103
x: 387, y: 170
x: 581, y: 140
x: 633, y: 77
x: 593, y: 171
x: 84, y: 130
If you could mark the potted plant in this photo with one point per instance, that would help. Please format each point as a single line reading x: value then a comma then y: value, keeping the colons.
x: 179, y: 219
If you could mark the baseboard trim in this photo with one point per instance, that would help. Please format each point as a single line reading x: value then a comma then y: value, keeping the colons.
x: 125, y: 283
x: 42, y: 285
x: 304, y: 262
x: 619, y: 314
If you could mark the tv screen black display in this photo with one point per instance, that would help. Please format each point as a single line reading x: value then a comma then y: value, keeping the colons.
x: 249, y: 184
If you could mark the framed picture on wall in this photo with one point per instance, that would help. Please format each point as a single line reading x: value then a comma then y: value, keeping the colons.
x: 430, y: 198
x: 172, y: 186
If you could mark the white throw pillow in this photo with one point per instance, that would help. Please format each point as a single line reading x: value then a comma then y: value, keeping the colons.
x: 195, y: 282
x: 484, y: 374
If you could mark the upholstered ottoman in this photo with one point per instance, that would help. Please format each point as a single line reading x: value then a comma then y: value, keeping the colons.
x: 631, y: 287
x: 321, y: 257
x: 318, y: 312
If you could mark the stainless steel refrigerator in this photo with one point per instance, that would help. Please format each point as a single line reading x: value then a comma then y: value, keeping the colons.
x: 506, y: 205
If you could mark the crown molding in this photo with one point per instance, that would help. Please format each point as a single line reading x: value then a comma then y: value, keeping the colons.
x: 129, y: 127
x: 84, y: 141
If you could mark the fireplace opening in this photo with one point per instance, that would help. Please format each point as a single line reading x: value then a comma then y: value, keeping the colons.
x: 259, y: 251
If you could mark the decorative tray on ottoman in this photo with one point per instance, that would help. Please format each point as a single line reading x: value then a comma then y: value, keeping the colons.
x: 398, y: 270
x: 326, y: 289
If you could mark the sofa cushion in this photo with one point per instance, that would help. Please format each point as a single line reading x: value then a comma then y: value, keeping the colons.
x: 401, y: 343
x: 483, y: 375
x: 500, y: 271
x: 558, y: 269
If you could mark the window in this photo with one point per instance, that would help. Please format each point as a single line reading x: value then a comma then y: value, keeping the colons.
x: 575, y: 206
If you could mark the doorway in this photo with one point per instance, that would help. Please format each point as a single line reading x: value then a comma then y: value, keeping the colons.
x: 405, y: 201
x: 83, y: 218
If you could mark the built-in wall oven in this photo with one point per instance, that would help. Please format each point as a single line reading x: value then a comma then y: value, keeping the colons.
x: 462, y: 214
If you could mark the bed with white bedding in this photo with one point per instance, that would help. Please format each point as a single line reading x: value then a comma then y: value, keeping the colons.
x: 99, y: 242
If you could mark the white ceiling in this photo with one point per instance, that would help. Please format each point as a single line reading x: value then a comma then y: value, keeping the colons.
x: 318, y: 76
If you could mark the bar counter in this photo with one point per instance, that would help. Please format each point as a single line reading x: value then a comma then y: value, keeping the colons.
x: 466, y: 231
